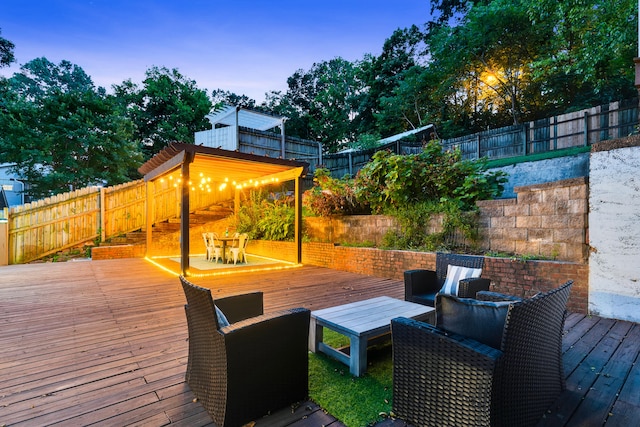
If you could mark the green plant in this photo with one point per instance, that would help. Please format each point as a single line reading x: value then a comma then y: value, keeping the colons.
x: 277, y: 222
x: 458, y: 228
x: 393, y: 181
x: 363, y: 244
x: 267, y: 215
x: 331, y: 196
x: 366, y: 141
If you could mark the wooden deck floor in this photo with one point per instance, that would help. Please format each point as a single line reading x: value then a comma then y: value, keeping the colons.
x: 104, y: 343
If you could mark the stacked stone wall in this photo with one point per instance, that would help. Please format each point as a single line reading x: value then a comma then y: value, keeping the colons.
x: 548, y: 220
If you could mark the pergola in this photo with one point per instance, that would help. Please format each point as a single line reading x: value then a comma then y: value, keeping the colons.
x: 221, y: 166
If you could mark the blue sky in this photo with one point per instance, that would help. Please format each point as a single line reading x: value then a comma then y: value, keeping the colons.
x: 245, y: 46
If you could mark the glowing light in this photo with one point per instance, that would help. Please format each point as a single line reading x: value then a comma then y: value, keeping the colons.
x: 231, y: 270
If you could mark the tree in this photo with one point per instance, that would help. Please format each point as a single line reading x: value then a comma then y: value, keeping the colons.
x: 63, y: 133
x: 167, y: 108
x: 487, y: 62
x: 281, y: 104
x: 381, y: 76
x: 591, y: 49
x: 219, y: 96
x: 320, y: 103
x: 6, y: 52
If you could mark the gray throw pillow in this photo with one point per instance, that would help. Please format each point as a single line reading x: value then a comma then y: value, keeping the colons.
x: 481, y: 320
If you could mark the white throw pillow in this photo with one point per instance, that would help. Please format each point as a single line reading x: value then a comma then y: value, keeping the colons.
x: 222, y: 319
x: 455, y: 273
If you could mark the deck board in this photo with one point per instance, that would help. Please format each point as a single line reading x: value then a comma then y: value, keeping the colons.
x: 105, y: 343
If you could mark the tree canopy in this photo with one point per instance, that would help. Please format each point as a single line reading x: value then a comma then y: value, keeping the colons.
x: 61, y: 132
x: 6, y: 52
x: 168, y: 107
x: 475, y: 65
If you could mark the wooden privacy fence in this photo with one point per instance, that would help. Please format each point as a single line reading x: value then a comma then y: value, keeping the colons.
x: 91, y: 214
x: 581, y: 128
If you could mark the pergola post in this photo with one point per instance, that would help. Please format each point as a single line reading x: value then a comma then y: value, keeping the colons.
x: 149, y: 208
x: 298, y: 219
x: 184, y: 216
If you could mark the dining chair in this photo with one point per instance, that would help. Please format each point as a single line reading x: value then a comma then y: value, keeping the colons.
x: 239, y: 251
x: 213, y: 245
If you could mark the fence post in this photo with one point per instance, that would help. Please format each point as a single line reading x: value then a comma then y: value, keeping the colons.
x: 4, y: 238
x: 103, y: 219
x: 525, y: 138
x: 586, y: 128
x: 555, y: 133
x: 478, y: 146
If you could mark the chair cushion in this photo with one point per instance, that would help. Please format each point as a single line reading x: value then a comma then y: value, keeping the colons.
x: 455, y: 273
x: 222, y: 319
x: 481, y: 320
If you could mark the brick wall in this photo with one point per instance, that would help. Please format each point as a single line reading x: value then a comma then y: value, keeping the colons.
x: 510, y: 276
x: 117, y: 252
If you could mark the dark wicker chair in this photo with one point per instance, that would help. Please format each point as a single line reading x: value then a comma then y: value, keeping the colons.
x: 447, y: 379
x: 257, y: 364
x: 421, y: 286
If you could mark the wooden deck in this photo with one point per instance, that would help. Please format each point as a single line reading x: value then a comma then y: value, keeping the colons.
x: 104, y: 343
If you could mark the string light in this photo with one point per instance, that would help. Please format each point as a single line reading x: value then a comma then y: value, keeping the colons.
x: 204, y: 183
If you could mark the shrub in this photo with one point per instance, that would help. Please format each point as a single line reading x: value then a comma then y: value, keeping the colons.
x: 267, y: 215
x: 391, y: 181
x: 330, y: 196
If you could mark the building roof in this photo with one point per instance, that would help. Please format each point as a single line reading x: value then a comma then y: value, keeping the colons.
x: 226, y: 115
x: 221, y: 165
x: 398, y: 136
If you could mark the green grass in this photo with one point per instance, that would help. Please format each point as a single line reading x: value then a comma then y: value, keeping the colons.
x: 497, y: 163
x: 356, y: 401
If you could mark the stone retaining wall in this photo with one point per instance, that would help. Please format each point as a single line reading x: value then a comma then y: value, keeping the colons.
x: 549, y: 220
x: 545, y: 220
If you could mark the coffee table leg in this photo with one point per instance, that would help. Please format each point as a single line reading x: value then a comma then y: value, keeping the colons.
x: 358, y: 356
x: 315, y: 335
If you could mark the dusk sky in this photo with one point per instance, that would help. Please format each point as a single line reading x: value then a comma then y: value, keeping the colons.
x: 248, y: 47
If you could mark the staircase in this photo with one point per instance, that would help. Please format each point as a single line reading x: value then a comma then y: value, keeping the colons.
x: 170, y: 229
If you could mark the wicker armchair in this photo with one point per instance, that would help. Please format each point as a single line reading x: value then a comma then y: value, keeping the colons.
x: 421, y: 286
x: 461, y: 381
x: 256, y: 364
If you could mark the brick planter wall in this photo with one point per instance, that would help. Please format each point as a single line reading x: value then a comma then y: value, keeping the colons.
x: 117, y: 252
x: 521, y: 278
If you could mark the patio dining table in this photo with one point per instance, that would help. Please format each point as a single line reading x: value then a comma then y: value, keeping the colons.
x: 225, y: 240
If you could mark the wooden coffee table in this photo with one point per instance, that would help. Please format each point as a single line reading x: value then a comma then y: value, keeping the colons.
x: 360, y: 321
